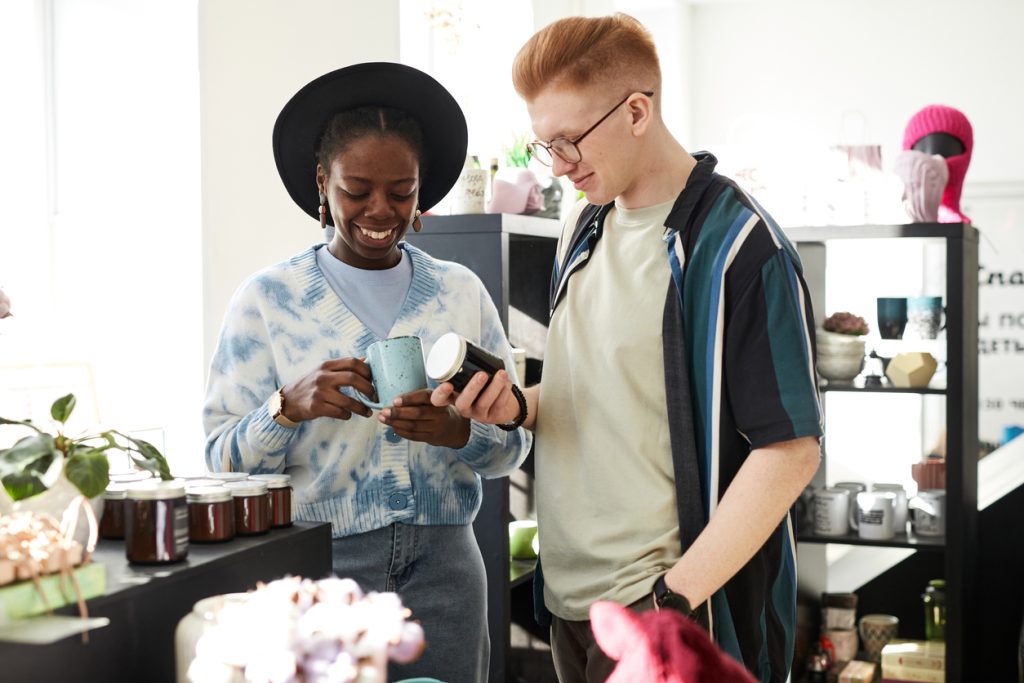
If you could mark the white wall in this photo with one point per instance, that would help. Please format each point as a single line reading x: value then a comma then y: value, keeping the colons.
x: 779, y: 76
x: 253, y: 56
x: 786, y: 72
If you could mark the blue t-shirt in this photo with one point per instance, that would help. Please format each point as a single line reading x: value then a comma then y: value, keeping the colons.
x: 373, y: 296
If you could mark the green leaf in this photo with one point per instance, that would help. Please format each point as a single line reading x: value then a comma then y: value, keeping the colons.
x: 20, y: 486
x: 23, y: 423
x: 32, y: 453
x: 88, y: 471
x: 145, y: 455
x: 62, y: 407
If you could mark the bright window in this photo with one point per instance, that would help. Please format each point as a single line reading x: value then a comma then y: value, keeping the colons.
x: 100, y: 247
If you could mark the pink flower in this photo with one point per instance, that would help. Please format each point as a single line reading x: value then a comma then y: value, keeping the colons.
x: 845, y: 323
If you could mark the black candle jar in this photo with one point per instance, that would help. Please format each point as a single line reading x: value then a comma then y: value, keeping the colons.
x: 252, y: 507
x: 455, y: 359
x: 280, y: 488
x: 211, y: 514
x: 112, y: 522
x: 156, y: 522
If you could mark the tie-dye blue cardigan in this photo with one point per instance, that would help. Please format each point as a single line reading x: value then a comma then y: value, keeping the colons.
x: 281, y: 324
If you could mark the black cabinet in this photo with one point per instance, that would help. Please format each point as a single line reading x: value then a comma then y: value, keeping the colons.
x: 513, y: 256
x: 956, y: 554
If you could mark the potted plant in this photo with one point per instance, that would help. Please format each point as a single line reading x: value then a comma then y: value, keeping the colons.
x: 840, y: 346
x: 44, y: 471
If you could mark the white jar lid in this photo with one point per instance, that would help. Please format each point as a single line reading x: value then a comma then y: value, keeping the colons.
x: 228, y: 476
x: 208, y: 494
x: 116, y: 491
x: 273, y: 481
x: 446, y: 357
x: 246, y: 488
x: 156, y: 489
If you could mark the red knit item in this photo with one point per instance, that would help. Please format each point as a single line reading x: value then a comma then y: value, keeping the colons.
x: 661, y: 647
x: 938, y: 118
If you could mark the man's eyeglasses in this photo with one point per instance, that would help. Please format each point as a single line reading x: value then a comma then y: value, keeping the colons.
x: 566, y: 149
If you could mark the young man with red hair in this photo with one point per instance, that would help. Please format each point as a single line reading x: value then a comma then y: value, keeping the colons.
x: 678, y: 416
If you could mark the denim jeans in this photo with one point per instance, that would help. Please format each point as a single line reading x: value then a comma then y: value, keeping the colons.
x: 439, y: 574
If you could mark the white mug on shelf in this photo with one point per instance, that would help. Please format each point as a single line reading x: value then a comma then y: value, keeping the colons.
x: 831, y: 512
x: 928, y: 513
x: 899, y: 518
x: 872, y: 515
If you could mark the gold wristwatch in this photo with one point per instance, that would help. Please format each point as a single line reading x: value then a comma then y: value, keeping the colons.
x: 275, y: 406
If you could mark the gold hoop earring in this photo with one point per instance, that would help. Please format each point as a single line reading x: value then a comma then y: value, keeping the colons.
x: 417, y: 225
x: 323, y: 211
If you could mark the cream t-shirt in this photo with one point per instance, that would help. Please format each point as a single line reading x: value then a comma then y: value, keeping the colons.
x: 604, y: 474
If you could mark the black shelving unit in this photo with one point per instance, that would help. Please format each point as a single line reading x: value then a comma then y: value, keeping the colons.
x: 959, y: 547
x: 513, y: 256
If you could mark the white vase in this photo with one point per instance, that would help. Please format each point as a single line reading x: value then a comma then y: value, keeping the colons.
x: 840, y: 356
x: 191, y: 628
x: 56, y: 499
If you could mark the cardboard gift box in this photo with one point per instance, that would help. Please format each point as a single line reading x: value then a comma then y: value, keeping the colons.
x: 857, y: 672
x: 915, y: 661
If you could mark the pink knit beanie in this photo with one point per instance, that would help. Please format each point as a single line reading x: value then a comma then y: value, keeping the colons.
x: 938, y: 118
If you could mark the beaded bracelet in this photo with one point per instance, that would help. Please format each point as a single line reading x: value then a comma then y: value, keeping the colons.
x: 518, y: 422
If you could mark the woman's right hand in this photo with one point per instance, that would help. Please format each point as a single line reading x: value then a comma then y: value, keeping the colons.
x: 318, y: 393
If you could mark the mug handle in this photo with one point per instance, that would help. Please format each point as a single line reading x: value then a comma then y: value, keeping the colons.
x: 854, y: 523
x: 376, y: 405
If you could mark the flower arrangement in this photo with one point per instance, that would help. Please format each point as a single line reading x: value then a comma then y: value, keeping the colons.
x: 844, y: 322
x: 305, y: 631
x: 33, y: 464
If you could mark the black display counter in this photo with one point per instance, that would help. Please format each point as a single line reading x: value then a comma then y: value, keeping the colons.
x: 144, y: 605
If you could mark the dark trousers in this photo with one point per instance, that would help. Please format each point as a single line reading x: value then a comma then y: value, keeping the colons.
x: 577, y: 656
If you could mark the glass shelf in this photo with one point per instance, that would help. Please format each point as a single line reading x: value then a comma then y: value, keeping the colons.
x: 857, y: 385
x: 912, y: 541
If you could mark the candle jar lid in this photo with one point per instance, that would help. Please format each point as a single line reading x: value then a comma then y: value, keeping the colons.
x: 116, y: 491
x: 246, y: 488
x: 446, y: 356
x: 156, y: 489
x: 227, y: 476
x: 208, y: 494
x: 273, y: 481
x: 129, y: 476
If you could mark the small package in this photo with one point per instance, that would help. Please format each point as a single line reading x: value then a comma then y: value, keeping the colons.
x: 858, y: 672
x: 918, y: 661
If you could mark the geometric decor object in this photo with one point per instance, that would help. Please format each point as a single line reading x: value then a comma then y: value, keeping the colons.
x: 911, y: 370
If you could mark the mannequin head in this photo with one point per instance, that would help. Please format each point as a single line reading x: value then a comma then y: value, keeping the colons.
x: 924, y: 179
x: 942, y: 130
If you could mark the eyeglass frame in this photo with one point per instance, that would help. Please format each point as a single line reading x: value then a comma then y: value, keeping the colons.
x: 552, y: 152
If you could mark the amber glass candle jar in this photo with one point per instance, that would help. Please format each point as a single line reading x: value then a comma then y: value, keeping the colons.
x: 211, y: 514
x: 280, y: 488
x: 156, y: 522
x: 252, y: 507
x: 112, y: 522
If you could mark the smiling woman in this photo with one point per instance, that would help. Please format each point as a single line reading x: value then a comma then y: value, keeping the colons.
x: 400, y: 490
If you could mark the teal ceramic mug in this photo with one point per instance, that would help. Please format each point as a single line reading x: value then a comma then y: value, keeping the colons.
x: 397, y: 367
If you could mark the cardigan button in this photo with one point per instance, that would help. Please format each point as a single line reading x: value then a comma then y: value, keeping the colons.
x: 398, y: 501
x: 391, y: 436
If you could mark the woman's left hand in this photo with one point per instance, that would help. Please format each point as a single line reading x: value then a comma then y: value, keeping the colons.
x: 414, y: 417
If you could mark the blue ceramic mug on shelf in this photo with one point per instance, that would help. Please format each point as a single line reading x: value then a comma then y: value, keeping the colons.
x: 924, y: 315
x: 397, y: 367
x: 892, y: 316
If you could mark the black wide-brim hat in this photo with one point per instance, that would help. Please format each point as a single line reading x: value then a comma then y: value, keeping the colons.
x: 303, y: 120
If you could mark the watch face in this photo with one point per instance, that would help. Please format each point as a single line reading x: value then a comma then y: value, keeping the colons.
x: 274, y: 405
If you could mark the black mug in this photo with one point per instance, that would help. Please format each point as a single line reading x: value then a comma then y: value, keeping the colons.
x: 455, y: 359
